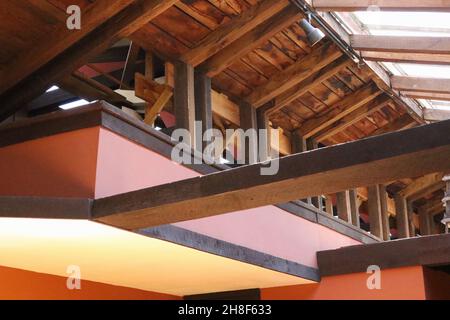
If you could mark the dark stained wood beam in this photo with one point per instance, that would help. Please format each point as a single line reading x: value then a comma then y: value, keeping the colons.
x: 371, y: 161
x: 251, y: 40
x: 232, y: 30
x: 384, y: 5
x: 184, y: 98
x: 319, y: 57
x: 431, y: 85
x: 61, y: 39
x: 203, y: 101
x: 397, y: 44
x: 373, y: 106
x: 341, y: 109
x: 78, y: 53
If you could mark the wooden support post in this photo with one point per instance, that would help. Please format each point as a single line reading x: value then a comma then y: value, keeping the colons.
x: 374, y: 205
x: 402, y: 216
x: 311, y: 144
x: 343, y: 206
x: 424, y: 222
x: 299, y: 145
x: 411, y: 226
x: 248, y: 121
x: 203, y: 106
x: 329, y: 205
x: 263, y: 124
x: 354, y: 207
x: 149, y: 66
x: 384, y: 213
x: 183, y: 99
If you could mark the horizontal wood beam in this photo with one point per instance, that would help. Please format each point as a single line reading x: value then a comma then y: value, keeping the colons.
x: 340, y: 109
x: 251, y: 40
x: 427, y: 96
x: 232, y: 30
x: 371, y: 161
x: 436, y: 115
x: 405, y: 57
x: 121, y: 25
x: 409, y: 44
x: 384, y: 5
x: 431, y: 85
x: 421, y: 184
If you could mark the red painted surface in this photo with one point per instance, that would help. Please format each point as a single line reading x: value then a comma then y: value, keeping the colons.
x: 19, y: 284
x: 125, y: 166
x: 396, y: 284
x: 61, y: 165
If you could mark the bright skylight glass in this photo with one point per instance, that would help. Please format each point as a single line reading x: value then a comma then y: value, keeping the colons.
x: 74, y: 104
x: 427, y: 24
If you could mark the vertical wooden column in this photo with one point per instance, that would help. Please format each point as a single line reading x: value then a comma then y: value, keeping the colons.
x: 354, y: 207
x: 262, y: 122
x: 203, y: 106
x: 424, y: 222
x: 298, y: 145
x: 149, y: 66
x: 311, y: 144
x: 183, y: 98
x: 446, y: 200
x: 401, y: 216
x: 384, y: 213
x: 374, y: 207
x: 410, y: 211
x: 343, y: 206
x: 248, y: 120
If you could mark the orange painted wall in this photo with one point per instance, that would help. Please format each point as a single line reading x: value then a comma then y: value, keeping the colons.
x: 396, y: 284
x: 16, y: 284
x: 61, y: 165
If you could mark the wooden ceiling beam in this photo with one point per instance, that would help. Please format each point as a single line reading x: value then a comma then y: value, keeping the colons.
x: 427, y: 96
x: 373, y: 106
x: 436, y: 115
x: 77, y: 53
x: 376, y: 160
x: 303, y: 87
x: 339, y: 110
x: 421, y: 184
x: 403, y: 122
x: 418, y: 84
x: 383, y: 5
x: 232, y: 30
x: 284, y: 80
x: 410, y: 44
x: 432, y: 188
x: 405, y: 57
x: 250, y: 40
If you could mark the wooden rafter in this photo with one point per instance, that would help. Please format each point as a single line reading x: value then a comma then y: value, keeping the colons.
x: 436, y: 115
x: 250, y: 40
x: 421, y: 184
x: 430, y: 85
x: 78, y: 53
x: 338, y: 111
x: 284, y: 80
x: 403, y: 122
x: 376, y: 160
x: 233, y: 30
x: 405, y: 57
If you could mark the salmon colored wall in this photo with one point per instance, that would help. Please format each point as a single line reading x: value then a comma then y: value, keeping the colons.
x: 396, y: 284
x: 16, y: 284
x: 125, y: 166
x: 61, y: 165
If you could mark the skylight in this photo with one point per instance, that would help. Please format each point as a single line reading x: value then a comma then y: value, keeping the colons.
x: 427, y: 24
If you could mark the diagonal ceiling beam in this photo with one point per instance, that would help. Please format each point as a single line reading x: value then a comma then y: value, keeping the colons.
x: 55, y: 43
x: 373, y: 106
x: 301, y: 88
x: 250, y: 40
x: 232, y: 30
x: 78, y: 54
x: 403, y: 122
x: 436, y: 115
x: 339, y: 110
x: 384, y: 5
x: 319, y: 57
x: 371, y: 161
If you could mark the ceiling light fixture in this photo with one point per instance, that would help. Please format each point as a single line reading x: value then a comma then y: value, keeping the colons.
x: 314, y: 35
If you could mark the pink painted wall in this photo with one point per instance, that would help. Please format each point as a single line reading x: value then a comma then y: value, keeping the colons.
x: 125, y: 166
